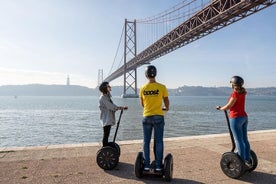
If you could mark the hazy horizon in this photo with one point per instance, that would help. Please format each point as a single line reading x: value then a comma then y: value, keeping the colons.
x: 123, y: 86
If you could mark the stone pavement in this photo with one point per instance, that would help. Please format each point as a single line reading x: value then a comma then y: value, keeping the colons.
x: 196, y: 160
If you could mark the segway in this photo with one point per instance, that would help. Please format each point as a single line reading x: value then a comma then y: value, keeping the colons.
x: 231, y: 163
x: 167, y: 167
x: 108, y: 156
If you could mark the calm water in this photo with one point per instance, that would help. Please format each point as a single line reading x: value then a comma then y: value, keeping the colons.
x: 33, y: 121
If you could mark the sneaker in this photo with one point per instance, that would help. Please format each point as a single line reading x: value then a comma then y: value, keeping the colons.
x: 158, y: 169
x: 248, y: 164
x: 146, y: 169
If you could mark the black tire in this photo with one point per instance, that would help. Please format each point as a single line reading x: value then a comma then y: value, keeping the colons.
x: 253, y: 160
x: 232, y: 165
x: 107, y: 158
x: 139, y: 165
x: 168, y: 167
x: 116, y: 146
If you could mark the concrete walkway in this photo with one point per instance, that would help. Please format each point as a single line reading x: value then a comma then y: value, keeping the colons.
x: 196, y: 160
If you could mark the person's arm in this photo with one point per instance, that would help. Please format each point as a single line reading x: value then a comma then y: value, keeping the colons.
x: 230, y: 104
x: 122, y: 108
x: 142, y: 102
x: 108, y: 104
x: 166, y: 103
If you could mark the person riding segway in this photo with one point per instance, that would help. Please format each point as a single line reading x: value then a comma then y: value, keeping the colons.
x: 152, y: 96
x: 108, y: 155
x: 235, y: 164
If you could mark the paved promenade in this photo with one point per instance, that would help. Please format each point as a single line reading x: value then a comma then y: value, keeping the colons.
x: 196, y: 161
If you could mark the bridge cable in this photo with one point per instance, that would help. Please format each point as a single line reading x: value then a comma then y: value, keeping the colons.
x: 161, y: 17
x: 117, y: 50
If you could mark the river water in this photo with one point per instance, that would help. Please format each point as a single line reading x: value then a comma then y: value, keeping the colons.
x: 35, y: 121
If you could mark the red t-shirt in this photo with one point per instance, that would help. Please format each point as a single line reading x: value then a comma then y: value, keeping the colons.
x: 238, y: 109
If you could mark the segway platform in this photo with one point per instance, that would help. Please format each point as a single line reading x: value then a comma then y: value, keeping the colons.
x: 166, y: 172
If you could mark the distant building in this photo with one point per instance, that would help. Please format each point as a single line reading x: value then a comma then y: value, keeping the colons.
x: 68, y: 81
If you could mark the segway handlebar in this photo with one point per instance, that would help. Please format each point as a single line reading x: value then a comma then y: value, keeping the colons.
x: 119, y: 120
x: 228, y: 124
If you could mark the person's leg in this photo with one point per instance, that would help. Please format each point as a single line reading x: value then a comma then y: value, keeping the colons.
x: 147, y: 131
x: 158, y: 139
x: 106, y: 132
x: 245, y: 140
x: 236, y: 127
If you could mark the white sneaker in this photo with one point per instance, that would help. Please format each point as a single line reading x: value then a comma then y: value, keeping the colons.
x: 158, y: 169
x: 146, y: 169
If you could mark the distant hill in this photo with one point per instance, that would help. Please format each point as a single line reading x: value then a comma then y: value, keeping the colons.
x: 46, y: 90
x: 218, y: 91
x: 75, y: 90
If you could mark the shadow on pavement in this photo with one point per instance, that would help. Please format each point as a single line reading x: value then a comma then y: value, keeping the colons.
x: 259, y: 178
x: 126, y: 170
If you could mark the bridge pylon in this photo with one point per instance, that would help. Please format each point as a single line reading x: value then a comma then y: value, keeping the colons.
x: 100, y: 77
x: 130, y: 51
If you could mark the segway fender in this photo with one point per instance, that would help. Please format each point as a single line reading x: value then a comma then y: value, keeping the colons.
x: 115, y: 146
x: 253, y: 160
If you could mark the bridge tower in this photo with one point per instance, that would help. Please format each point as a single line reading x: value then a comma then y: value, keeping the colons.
x: 100, y: 77
x: 130, y: 51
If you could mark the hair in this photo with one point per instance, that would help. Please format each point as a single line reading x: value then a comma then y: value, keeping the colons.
x: 103, y: 87
x: 239, y: 89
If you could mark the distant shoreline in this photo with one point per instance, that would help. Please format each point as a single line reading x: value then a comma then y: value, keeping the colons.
x: 75, y: 90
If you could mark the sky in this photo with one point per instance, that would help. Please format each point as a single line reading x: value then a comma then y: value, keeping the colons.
x: 43, y: 42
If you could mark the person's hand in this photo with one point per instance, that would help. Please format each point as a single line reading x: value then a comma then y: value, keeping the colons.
x: 123, y: 108
x: 218, y: 107
x: 164, y: 109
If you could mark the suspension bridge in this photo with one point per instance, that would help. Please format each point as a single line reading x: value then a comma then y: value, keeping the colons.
x: 174, y: 28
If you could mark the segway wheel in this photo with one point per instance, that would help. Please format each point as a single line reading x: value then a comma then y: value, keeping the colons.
x: 139, y: 165
x: 116, y: 146
x: 168, y: 167
x: 253, y: 160
x: 107, y: 158
x: 232, y: 165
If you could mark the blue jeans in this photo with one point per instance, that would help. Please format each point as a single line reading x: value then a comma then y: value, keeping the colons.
x: 157, y: 123
x: 239, y: 130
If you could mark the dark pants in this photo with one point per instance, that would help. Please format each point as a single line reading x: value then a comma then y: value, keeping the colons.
x: 106, y: 132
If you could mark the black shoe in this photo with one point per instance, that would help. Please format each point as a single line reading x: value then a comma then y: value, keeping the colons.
x: 248, y: 164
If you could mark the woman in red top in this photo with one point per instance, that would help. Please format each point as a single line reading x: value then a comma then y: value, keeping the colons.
x: 238, y: 118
